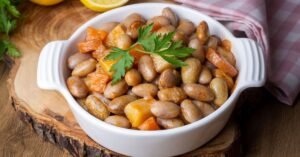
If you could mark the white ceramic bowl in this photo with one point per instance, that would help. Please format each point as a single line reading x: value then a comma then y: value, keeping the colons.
x: 52, y: 73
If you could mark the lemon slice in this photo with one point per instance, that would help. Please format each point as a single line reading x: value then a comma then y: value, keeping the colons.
x: 103, y: 5
x: 46, y: 2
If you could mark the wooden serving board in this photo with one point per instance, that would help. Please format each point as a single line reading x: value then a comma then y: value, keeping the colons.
x: 47, y: 112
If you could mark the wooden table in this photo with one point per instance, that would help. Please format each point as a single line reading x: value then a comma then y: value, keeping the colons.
x: 269, y: 128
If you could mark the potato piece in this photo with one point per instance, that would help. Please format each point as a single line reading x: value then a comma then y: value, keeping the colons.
x: 94, y: 34
x: 227, y: 55
x: 98, y: 81
x: 114, y: 35
x: 149, y: 124
x: 138, y: 111
x: 88, y: 46
x: 106, y: 65
x: 220, y: 62
x: 100, y: 52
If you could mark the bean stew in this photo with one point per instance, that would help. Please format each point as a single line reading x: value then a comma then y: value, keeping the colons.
x: 152, y: 74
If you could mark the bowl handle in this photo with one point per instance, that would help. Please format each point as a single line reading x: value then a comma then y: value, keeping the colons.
x: 254, y: 71
x: 48, y: 76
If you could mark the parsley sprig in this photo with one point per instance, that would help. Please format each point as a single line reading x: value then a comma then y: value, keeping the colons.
x: 152, y: 43
x: 8, y: 20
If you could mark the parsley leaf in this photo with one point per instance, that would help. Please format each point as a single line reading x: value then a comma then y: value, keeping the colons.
x: 8, y: 21
x: 6, y: 47
x: 125, y: 62
x: 8, y: 15
x: 146, y: 38
x: 176, y: 62
x: 163, y: 41
x: 152, y: 43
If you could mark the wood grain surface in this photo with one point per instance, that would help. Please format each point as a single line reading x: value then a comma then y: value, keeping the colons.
x: 47, y: 112
x: 269, y: 128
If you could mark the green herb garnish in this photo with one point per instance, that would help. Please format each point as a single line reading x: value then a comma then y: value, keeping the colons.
x: 152, y: 43
x: 8, y: 19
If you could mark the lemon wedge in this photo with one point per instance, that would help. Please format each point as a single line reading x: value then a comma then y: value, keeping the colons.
x: 103, y: 5
x: 46, y: 2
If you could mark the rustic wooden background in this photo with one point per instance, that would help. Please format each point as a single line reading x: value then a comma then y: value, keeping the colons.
x: 269, y: 128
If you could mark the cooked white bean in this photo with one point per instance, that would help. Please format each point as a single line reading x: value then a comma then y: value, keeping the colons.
x: 77, y: 58
x: 132, y: 30
x: 118, y: 104
x: 77, y: 87
x: 186, y: 26
x: 118, y: 89
x: 204, y: 107
x: 203, y: 32
x: 169, y: 78
x: 190, y: 112
x: 198, y: 92
x: 133, y: 77
x: 205, y: 76
x: 167, y: 12
x: 170, y: 123
x: 160, y: 64
x: 174, y: 94
x: 179, y: 36
x: 124, y: 42
x: 191, y: 72
x: 96, y: 107
x: 119, y: 121
x: 199, y: 53
x: 165, y: 109
x: 146, y: 68
x: 219, y: 87
x: 84, y: 68
x: 213, y: 42
x: 166, y: 29
x: 159, y: 21
x: 146, y: 90
x: 132, y: 18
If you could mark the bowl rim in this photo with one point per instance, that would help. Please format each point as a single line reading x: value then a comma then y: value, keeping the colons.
x: 95, y: 121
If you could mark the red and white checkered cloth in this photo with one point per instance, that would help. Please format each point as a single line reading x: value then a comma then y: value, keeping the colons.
x: 275, y: 25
